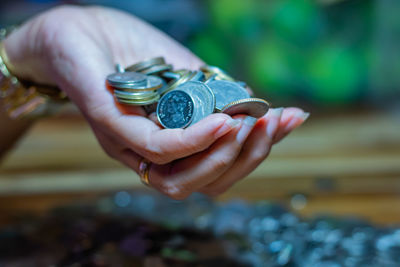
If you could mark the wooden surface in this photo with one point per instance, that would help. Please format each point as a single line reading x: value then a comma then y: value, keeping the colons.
x: 343, y: 164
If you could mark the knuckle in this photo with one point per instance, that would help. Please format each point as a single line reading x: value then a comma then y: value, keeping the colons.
x: 258, y: 155
x: 170, y: 189
x: 220, y: 163
x: 154, y: 154
x: 174, y: 192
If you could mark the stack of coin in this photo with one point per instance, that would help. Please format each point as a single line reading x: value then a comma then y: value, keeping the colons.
x: 133, y: 88
x: 183, y: 97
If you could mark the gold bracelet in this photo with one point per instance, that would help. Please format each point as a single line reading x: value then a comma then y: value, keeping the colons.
x: 22, y: 99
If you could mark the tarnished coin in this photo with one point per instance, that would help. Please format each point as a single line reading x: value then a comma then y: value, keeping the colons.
x: 226, y: 92
x: 126, y: 79
x: 175, y: 109
x: 146, y: 64
x: 203, y: 97
x: 254, y: 107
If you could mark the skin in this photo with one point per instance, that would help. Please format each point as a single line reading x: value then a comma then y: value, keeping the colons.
x: 75, y: 48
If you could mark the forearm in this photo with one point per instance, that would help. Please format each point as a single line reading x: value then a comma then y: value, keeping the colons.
x: 10, y: 130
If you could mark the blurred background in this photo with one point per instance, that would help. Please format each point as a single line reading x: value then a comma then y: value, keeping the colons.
x: 340, y: 60
x: 325, y: 53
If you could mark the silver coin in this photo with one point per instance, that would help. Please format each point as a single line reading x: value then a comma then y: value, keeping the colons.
x: 175, y: 109
x: 152, y: 83
x: 203, y: 97
x: 171, y: 75
x: 254, y: 107
x: 126, y: 79
x: 226, y: 92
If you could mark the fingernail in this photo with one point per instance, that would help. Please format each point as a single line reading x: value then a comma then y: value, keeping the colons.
x: 302, y: 115
x: 247, y: 126
x: 297, y: 120
x: 273, y: 122
x: 276, y: 112
x: 228, y: 125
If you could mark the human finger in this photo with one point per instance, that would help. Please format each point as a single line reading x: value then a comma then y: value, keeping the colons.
x: 290, y: 120
x: 183, y: 177
x: 165, y: 145
x: 256, y: 148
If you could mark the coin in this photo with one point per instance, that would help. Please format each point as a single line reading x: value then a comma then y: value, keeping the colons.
x: 119, y: 68
x: 203, y: 97
x: 151, y: 83
x: 139, y: 102
x: 126, y: 79
x: 185, y: 76
x: 175, y: 109
x: 221, y: 74
x: 171, y: 75
x: 254, y: 107
x: 197, y: 76
x: 156, y: 69
x: 226, y: 92
x: 210, y: 89
x: 131, y: 95
x: 146, y: 64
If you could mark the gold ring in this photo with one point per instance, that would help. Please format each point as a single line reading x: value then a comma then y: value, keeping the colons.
x: 144, y: 169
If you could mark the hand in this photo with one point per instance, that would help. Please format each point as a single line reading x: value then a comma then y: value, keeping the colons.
x: 75, y: 48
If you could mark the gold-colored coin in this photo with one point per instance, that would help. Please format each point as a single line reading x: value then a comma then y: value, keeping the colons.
x: 157, y: 69
x: 140, y: 66
x: 135, y: 96
x: 139, y: 102
x: 220, y: 74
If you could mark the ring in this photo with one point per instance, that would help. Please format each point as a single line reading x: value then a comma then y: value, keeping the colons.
x: 144, y: 169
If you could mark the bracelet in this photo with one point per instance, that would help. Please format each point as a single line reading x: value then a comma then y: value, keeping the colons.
x: 23, y: 99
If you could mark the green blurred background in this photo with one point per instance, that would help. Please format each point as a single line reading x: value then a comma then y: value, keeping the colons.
x: 299, y: 50
x: 323, y: 54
